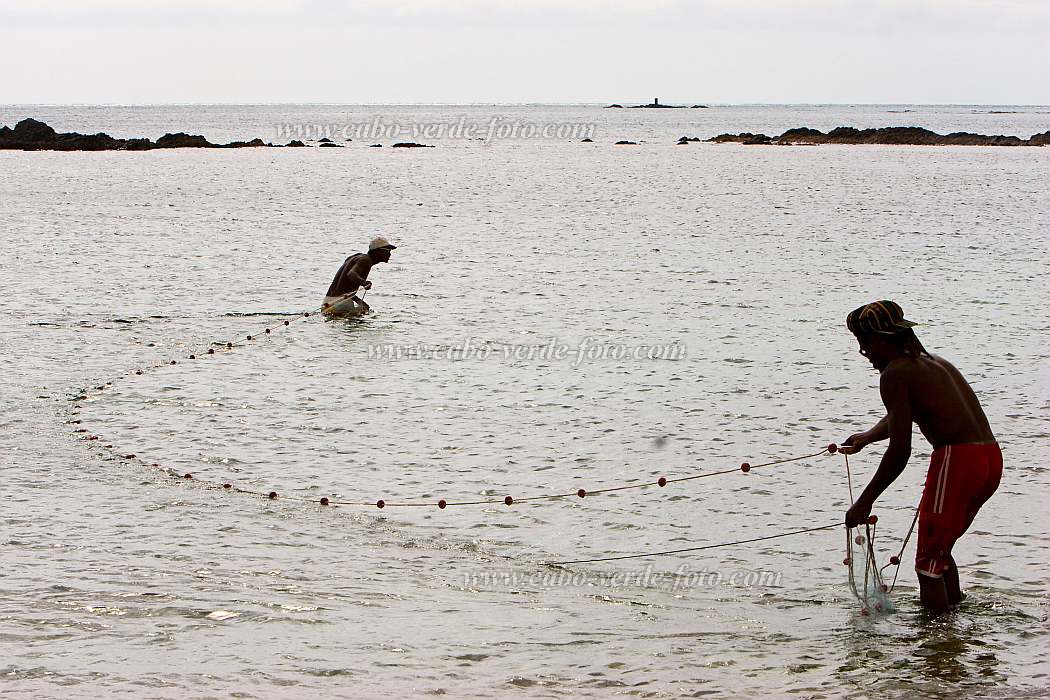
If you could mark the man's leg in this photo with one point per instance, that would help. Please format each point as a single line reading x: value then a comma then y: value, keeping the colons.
x: 951, y: 583
x: 932, y: 593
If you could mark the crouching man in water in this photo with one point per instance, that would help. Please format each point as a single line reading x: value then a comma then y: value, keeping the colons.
x: 342, y: 299
x: 966, y: 464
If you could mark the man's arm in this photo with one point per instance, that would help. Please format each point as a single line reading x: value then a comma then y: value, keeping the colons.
x: 858, y: 441
x: 894, y: 389
x: 356, y: 275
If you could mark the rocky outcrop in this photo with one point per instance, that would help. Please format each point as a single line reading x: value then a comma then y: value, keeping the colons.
x: 409, y: 144
x: 614, y: 106
x: 33, y: 135
x: 890, y: 136
x: 686, y: 140
x: 181, y: 140
x: 626, y: 143
x: 746, y: 138
x: 586, y: 140
x: 1042, y: 139
x: 655, y: 104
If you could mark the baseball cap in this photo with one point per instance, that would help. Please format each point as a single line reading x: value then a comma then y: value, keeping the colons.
x: 381, y: 242
x: 883, y: 317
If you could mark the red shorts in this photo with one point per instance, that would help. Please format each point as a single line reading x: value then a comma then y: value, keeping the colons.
x: 960, y: 480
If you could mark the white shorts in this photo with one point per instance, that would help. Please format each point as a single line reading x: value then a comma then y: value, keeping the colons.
x: 345, y: 305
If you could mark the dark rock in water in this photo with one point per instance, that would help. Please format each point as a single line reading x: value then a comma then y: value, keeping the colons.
x: 699, y: 107
x: 254, y: 143
x: 376, y: 145
x: 688, y: 139
x: 802, y: 134
x: 329, y: 144
x: 587, y: 141
x: 29, y: 135
x: 409, y: 144
x: 626, y: 143
x: 181, y: 140
x: 296, y: 144
x: 614, y: 106
x: 85, y: 142
x: 33, y: 135
x: 657, y: 105
x: 738, y: 138
x: 324, y: 140
x: 894, y: 136
x: 1042, y: 139
x: 32, y: 130
x: 889, y: 136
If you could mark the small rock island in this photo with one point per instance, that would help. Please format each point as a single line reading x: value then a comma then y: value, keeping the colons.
x: 888, y: 136
x: 33, y: 135
x: 655, y: 104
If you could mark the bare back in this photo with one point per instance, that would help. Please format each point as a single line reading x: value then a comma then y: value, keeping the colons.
x: 943, y: 404
x: 345, y: 283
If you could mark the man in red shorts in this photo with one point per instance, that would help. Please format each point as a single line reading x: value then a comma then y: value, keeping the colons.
x: 966, y: 464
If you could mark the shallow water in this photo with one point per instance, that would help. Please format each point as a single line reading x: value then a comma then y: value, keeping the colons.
x: 119, y: 579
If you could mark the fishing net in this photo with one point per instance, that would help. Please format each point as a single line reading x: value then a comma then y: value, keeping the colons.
x: 865, y: 576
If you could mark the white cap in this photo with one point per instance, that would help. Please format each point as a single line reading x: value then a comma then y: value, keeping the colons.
x: 380, y: 242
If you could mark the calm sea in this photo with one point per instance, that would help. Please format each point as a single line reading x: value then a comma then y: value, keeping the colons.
x: 697, y: 295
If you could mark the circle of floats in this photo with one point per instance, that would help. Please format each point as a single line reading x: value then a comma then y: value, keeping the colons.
x: 442, y: 504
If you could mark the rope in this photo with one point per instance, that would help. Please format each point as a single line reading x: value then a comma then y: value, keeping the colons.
x: 849, y: 478
x: 894, y: 560
x: 441, y: 504
x: 694, y: 549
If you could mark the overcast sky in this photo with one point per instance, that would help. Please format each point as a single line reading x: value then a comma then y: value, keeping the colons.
x: 410, y: 51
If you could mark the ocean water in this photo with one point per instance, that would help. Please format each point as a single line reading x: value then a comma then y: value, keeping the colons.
x: 735, y: 265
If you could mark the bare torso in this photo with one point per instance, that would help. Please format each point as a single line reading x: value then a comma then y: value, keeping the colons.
x: 359, y: 263
x: 942, y: 403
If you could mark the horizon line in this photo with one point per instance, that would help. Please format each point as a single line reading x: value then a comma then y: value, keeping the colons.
x: 602, y: 104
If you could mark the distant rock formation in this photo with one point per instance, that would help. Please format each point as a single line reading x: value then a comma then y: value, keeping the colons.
x: 409, y: 144
x: 587, y: 141
x: 699, y: 107
x: 181, y: 140
x: 614, y: 106
x: 655, y: 104
x: 746, y: 138
x: 1042, y: 139
x: 890, y: 136
x: 329, y: 144
x: 33, y: 135
x: 686, y: 140
x: 626, y: 143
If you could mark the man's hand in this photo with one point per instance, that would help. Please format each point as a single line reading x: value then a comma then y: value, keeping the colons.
x: 853, y: 444
x: 858, y: 514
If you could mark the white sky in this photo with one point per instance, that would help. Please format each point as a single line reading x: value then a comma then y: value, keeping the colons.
x: 410, y: 51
